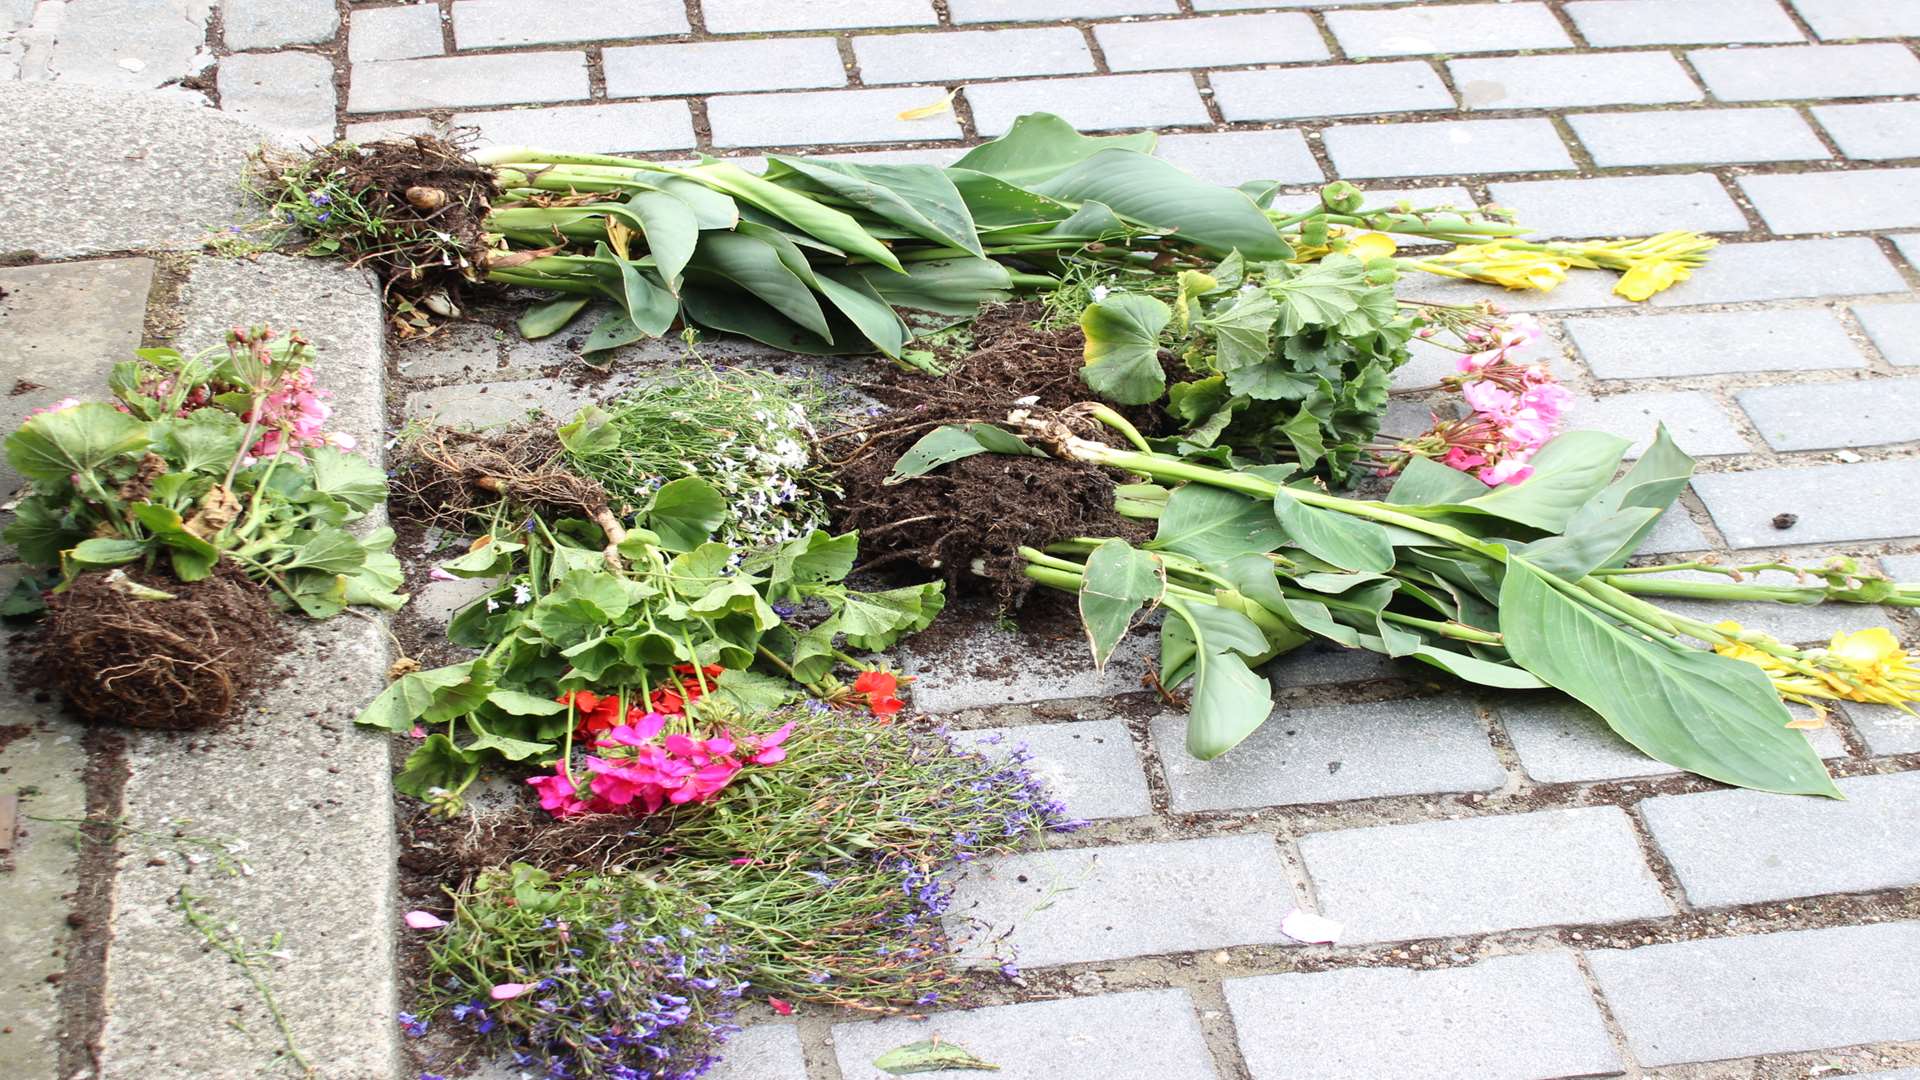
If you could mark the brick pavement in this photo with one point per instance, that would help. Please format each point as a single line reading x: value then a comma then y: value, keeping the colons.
x: 1524, y: 895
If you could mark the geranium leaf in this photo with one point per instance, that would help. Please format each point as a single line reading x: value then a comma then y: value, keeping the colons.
x: 873, y: 621
x: 348, y: 477
x: 685, y: 512
x: 52, y: 446
x: 436, y: 764
x: 1118, y: 582
x: 1123, y: 348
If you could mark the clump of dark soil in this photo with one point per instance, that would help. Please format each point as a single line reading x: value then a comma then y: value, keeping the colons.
x: 442, y: 475
x: 965, y: 521
x: 429, y: 194
x: 119, y: 654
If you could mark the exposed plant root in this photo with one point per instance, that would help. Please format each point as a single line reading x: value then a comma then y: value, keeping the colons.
x: 445, y: 476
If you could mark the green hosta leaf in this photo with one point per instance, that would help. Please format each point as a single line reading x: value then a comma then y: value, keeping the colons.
x: 711, y: 209
x: 1346, y: 541
x: 955, y: 287
x: 919, y: 198
x: 1475, y: 670
x: 856, y: 298
x: 1240, y: 327
x: 1118, y: 582
x: 1589, y: 542
x: 724, y: 307
x: 671, y: 231
x: 53, y: 446
x: 348, y: 477
x: 1123, y: 348
x: 1147, y: 189
x: 1229, y: 701
x: 1214, y: 525
x: 1653, y: 482
x: 685, y: 512
x: 1040, y: 146
x: 929, y: 1056
x: 551, y: 316
x: 613, y: 331
x: 1566, y: 473
x: 873, y: 621
x: 949, y: 443
x: 804, y: 213
x: 436, y: 764
x: 102, y: 551
x: 1426, y: 482
x: 753, y: 264
x: 649, y: 307
x: 1692, y: 709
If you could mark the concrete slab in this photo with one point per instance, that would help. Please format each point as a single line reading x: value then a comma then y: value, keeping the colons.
x: 62, y: 328
x: 152, y: 173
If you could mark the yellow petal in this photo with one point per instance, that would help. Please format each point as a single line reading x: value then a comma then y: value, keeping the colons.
x: 945, y: 104
x: 1643, y: 279
x: 1874, y: 645
x: 1371, y: 245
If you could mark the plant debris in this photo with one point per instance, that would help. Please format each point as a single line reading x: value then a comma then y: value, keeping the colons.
x: 969, y: 519
x: 150, y: 651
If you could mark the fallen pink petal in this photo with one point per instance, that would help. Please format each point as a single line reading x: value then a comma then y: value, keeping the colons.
x: 424, y: 920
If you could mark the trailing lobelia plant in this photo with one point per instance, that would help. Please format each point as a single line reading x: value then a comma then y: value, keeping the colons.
x: 1517, y: 588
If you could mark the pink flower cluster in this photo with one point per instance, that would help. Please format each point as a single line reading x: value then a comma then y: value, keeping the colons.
x: 292, y: 417
x: 1515, y: 407
x: 637, y: 774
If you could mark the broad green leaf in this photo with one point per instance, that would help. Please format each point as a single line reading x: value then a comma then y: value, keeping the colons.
x: 204, y: 441
x: 1309, y: 442
x: 519, y: 703
x: 436, y: 765
x: 1348, y: 542
x: 348, y: 477
x: 1321, y: 294
x: 1475, y: 670
x: 754, y: 265
x: 107, y: 551
x: 711, y: 209
x: 1589, y: 542
x: 865, y: 308
x: 814, y: 559
x: 723, y: 307
x: 919, y: 198
x: 1229, y: 701
x: 1092, y: 221
x: 1001, y: 209
x: 549, y: 317
x: 613, y: 330
x: 1118, y: 582
x: 1426, y: 482
x: 1139, y: 500
x: 955, y: 287
x: 1123, y: 348
x: 685, y: 512
x: 813, y: 218
x: 589, y: 433
x: 1566, y: 473
x: 1240, y: 327
x: 409, y: 698
x: 1654, y: 481
x: 754, y: 693
x: 929, y: 1056
x: 951, y: 442
x: 511, y: 749
x: 1214, y: 525
x: 193, y: 557
x: 650, y: 308
x: 329, y: 551
x: 39, y: 533
x: 873, y: 621
x: 1040, y: 146
x: 52, y: 446
x: 671, y: 230
x: 1692, y: 709
x: 1147, y: 189
x: 490, y: 559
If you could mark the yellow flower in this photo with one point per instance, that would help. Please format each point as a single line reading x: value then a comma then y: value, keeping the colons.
x: 1650, y: 276
x: 1371, y: 245
x: 1866, y: 666
x: 1512, y: 268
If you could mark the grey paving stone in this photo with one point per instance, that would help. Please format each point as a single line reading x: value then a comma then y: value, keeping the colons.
x: 984, y: 11
x: 988, y: 665
x: 1332, y: 90
x: 1222, y: 41
x: 1859, y: 18
x: 153, y: 173
x: 394, y: 33
x: 1320, y: 663
x: 762, y: 1052
x: 66, y: 325
x: 392, y: 128
x: 1094, y: 103
x: 1867, y: 501
x: 1700, y: 22
x: 701, y: 67
x: 1788, y: 269
x: 489, y: 404
x: 1674, y: 532
x: 1807, y: 71
x: 1742, y: 847
x: 1901, y: 567
x: 1090, y: 764
x: 1463, y: 29
x: 766, y: 16
x: 971, y: 54
x: 600, y: 129
x: 462, y: 348
x: 1873, y: 132
x: 1508, y: 1018
x: 1445, y: 147
x: 46, y: 768
x: 444, y: 82
x: 1909, y: 247
x: 1696, y: 137
x: 1563, y: 742
x: 1230, y: 157
x: 269, y: 24
x: 1546, y: 82
x: 1743, y: 996
x: 1082, y: 905
x: 1233, y: 5
x: 1622, y: 205
x: 1694, y: 419
x: 1330, y: 753
x: 1829, y: 416
x: 1477, y: 875
x: 826, y: 116
x: 438, y: 601
x: 127, y: 44
x: 287, y: 93
x: 1886, y: 729
x: 490, y: 24
x: 1812, y: 202
x: 1141, y: 1035
x: 1579, y: 291
x: 1712, y: 343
